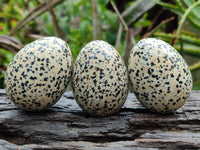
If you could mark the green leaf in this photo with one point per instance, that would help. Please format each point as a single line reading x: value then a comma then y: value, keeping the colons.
x: 194, y: 21
x: 5, y: 57
x: 178, y: 3
x: 195, y: 66
x: 110, y: 18
x: 173, y: 8
x: 196, y: 10
x: 189, y: 2
x: 184, y: 17
x: 48, y: 28
x: 196, y: 86
x: 136, y: 10
x: 189, y: 49
x: 143, y: 21
x: 185, y: 38
x: 103, y: 2
x: 180, y: 10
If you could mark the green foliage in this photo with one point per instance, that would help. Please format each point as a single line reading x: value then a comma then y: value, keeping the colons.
x: 75, y: 19
x: 143, y: 21
x: 196, y: 86
x: 186, y: 15
x: 5, y: 58
x: 179, y: 9
x: 12, y: 12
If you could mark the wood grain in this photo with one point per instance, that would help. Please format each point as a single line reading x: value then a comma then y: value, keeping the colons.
x: 65, y: 126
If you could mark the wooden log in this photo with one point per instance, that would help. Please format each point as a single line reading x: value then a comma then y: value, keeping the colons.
x: 65, y: 126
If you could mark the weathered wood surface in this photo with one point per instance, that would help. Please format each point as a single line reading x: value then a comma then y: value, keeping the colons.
x: 65, y: 126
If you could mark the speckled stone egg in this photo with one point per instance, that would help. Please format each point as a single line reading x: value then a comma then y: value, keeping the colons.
x: 160, y: 77
x: 39, y: 73
x: 100, y: 79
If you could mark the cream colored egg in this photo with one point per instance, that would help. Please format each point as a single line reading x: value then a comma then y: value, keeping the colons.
x: 39, y: 73
x: 100, y: 79
x: 159, y: 75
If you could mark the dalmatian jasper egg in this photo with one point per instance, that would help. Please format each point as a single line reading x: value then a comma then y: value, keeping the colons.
x: 100, y: 79
x: 160, y: 77
x: 39, y: 73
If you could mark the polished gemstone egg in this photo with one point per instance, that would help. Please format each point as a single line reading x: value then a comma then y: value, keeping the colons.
x: 100, y: 79
x: 39, y: 73
x: 160, y: 77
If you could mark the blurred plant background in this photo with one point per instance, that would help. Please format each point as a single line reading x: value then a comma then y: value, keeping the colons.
x: 119, y: 22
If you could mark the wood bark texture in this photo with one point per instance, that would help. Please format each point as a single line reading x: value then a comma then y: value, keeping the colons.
x: 65, y: 126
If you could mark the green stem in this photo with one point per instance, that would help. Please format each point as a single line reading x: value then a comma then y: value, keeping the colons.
x: 119, y: 15
x: 195, y: 66
x: 96, y: 22
x: 185, y: 16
